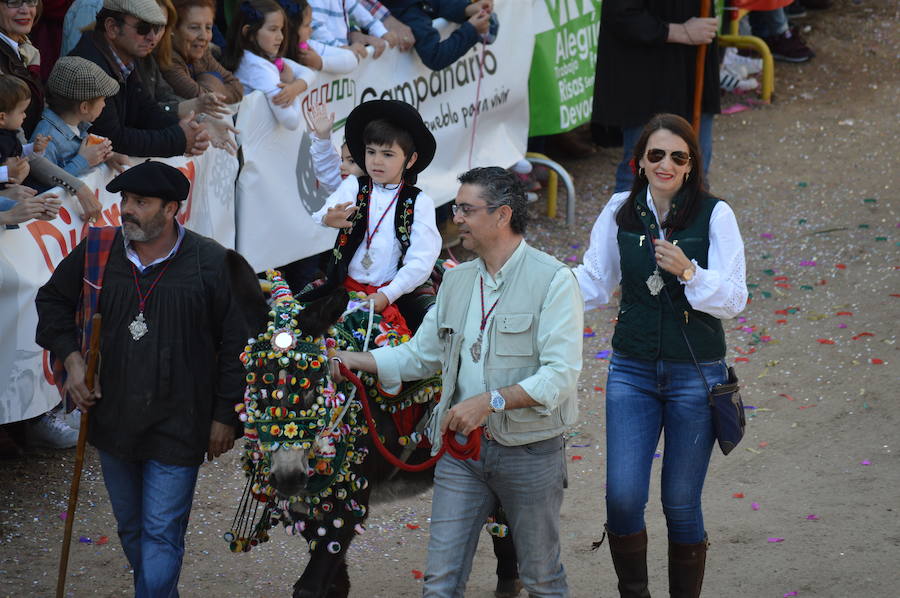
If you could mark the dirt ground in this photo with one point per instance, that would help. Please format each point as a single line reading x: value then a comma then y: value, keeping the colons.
x: 807, y: 506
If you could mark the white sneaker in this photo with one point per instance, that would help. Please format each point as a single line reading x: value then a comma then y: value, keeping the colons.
x: 749, y: 66
x: 50, y: 432
x: 731, y: 81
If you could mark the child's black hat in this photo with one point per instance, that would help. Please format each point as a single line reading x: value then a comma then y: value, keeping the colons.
x: 399, y: 113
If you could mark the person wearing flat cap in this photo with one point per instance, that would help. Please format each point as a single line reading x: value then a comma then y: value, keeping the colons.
x: 76, y: 94
x: 135, y: 124
x: 389, y: 242
x: 169, y: 375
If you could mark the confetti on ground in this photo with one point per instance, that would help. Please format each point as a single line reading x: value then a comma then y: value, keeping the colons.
x: 775, y: 540
x: 824, y: 341
x: 812, y: 517
x: 417, y: 574
x: 763, y: 444
x: 63, y: 515
x: 412, y: 526
x: 735, y: 108
x: 862, y: 335
x: 808, y: 262
x: 589, y: 332
x: 754, y: 506
x: 840, y: 266
x: 577, y: 457
x: 102, y: 540
x: 737, y: 495
x: 805, y: 406
x: 865, y: 462
x: 876, y: 361
x: 602, y: 355
x: 795, y: 593
x: 84, y: 540
x: 580, y: 445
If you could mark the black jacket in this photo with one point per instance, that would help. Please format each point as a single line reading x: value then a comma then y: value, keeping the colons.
x: 161, y: 392
x: 11, y: 64
x: 132, y: 120
x: 638, y: 73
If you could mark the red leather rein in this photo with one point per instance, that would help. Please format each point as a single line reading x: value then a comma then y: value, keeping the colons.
x: 470, y: 450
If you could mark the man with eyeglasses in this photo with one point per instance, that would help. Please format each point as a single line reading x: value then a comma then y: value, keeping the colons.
x: 127, y: 30
x: 506, y: 331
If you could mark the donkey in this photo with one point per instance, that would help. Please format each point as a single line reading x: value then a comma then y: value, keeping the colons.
x: 310, y: 458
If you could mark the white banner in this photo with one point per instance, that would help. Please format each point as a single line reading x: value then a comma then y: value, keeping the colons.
x: 29, y: 254
x: 477, y: 109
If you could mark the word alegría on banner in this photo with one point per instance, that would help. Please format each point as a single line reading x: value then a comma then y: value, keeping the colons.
x: 561, y: 84
x: 477, y: 109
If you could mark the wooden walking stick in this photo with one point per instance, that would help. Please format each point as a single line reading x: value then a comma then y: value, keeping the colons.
x: 90, y: 375
x: 699, y: 68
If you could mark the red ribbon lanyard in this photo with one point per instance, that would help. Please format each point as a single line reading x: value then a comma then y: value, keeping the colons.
x: 485, y: 316
x: 369, y: 235
x: 142, y: 299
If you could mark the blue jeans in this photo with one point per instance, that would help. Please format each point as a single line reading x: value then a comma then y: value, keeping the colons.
x: 630, y: 135
x: 768, y: 23
x: 151, y: 502
x: 643, y: 398
x: 528, y: 480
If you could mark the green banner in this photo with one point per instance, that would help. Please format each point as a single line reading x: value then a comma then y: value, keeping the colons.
x: 561, y: 82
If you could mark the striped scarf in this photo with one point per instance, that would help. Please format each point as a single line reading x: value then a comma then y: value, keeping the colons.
x: 98, y: 246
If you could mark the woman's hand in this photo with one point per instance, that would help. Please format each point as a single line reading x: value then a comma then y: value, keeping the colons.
x: 289, y: 92
x: 44, y: 207
x: 339, y: 215
x: 693, y: 32
x: 670, y: 257
x: 221, y: 134
x: 97, y: 153
x: 18, y: 192
x: 207, y: 102
x: 90, y: 205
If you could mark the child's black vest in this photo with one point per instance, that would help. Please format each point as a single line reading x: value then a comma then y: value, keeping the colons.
x: 647, y: 327
x: 349, y: 239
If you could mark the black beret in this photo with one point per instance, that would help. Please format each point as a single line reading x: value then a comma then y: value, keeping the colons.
x: 152, y: 179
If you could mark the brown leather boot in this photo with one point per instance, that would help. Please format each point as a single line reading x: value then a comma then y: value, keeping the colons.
x: 687, y: 563
x: 629, y: 557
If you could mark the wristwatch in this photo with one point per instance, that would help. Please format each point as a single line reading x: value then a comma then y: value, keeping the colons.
x: 498, y: 403
x: 688, y: 273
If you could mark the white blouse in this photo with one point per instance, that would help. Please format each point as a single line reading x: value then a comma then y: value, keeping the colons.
x: 720, y: 289
x: 256, y: 72
x: 424, y: 242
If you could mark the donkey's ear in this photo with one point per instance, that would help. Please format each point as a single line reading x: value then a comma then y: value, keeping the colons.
x: 247, y: 293
x: 319, y: 314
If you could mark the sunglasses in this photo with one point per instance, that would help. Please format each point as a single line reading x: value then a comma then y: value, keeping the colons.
x: 143, y: 28
x: 20, y: 3
x: 656, y: 155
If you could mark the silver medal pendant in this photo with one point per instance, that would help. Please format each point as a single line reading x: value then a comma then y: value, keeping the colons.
x: 655, y: 283
x: 138, y: 327
x: 476, y: 350
x: 366, y: 260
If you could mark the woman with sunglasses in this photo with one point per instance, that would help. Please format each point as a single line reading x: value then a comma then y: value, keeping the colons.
x: 677, y: 253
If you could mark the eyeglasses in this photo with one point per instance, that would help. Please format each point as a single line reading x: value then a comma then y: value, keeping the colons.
x: 19, y: 3
x: 142, y: 28
x: 465, y: 209
x: 656, y: 155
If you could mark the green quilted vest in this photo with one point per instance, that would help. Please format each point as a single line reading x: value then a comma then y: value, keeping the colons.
x: 647, y: 327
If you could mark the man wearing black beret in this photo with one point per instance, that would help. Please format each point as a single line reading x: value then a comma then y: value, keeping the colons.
x: 169, y: 371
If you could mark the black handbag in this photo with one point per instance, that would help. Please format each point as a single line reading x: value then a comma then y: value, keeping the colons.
x: 724, y: 399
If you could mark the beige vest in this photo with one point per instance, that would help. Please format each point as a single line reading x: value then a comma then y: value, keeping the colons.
x: 513, y: 351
